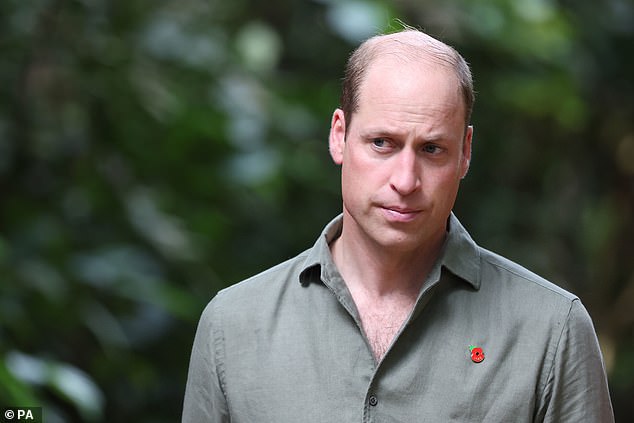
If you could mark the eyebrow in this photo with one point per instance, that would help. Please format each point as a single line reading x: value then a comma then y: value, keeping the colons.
x: 379, y: 132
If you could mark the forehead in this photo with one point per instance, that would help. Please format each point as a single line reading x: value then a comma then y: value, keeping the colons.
x: 406, y: 84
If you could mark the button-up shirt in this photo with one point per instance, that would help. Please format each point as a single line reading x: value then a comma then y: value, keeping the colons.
x: 487, y: 341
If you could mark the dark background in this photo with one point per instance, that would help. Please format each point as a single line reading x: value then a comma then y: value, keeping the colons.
x: 153, y: 152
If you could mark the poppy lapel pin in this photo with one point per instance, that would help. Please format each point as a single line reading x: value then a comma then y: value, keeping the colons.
x: 477, y: 355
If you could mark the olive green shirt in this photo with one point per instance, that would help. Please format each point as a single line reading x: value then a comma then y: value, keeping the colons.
x: 287, y: 345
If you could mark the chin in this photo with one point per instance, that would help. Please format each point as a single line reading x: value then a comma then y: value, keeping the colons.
x: 398, y: 241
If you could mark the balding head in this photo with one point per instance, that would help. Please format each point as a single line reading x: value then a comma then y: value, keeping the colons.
x: 408, y: 45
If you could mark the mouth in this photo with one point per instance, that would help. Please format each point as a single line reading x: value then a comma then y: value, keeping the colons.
x: 400, y: 214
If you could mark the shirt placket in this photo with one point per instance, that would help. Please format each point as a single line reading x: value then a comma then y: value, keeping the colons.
x: 373, y: 396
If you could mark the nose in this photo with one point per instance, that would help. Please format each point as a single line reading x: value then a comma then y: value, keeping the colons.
x: 406, y: 174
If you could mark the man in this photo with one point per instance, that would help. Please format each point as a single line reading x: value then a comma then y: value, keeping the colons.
x: 395, y: 314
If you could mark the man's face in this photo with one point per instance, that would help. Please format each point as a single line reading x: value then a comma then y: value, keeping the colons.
x: 404, y: 155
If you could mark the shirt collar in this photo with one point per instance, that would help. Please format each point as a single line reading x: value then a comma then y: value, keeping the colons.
x: 460, y: 255
x: 319, y: 264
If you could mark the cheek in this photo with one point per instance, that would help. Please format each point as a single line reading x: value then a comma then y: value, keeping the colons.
x: 352, y: 180
x: 441, y: 188
x: 443, y: 180
x: 358, y: 170
x: 361, y: 180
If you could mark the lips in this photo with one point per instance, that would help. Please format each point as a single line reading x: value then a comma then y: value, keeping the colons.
x: 400, y: 214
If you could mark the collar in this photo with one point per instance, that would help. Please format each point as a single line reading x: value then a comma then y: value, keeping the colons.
x: 319, y: 264
x: 460, y: 255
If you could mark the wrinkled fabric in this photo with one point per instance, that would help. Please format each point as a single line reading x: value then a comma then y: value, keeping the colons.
x: 287, y: 346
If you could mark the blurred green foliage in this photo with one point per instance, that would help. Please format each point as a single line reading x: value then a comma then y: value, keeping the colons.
x: 153, y: 152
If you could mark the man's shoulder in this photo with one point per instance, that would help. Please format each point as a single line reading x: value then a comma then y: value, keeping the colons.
x: 267, y: 283
x: 501, y: 271
x: 258, y: 301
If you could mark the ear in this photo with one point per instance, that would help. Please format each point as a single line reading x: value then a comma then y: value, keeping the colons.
x: 337, y: 137
x: 466, y: 151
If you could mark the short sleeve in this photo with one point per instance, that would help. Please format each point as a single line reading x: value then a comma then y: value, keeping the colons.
x: 577, y: 389
x: 204, y: 397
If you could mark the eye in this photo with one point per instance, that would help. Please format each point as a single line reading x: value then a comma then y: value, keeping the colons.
x: 379, y: 142
x: 431, y: 149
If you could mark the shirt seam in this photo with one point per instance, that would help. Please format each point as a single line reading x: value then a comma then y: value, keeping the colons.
x: 570, y: 297
x: 543, y: 385
x: 267, y: 274
x: 219, y: 356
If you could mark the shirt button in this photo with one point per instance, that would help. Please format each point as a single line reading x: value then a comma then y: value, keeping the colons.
x: 373, y: 400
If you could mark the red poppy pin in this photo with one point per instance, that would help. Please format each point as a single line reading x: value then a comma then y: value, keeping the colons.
x: 477, y: 355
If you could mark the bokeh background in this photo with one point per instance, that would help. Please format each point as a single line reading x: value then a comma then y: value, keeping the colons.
x: 153, y: 152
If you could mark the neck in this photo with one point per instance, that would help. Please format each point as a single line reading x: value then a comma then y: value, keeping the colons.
x: 382, y: 271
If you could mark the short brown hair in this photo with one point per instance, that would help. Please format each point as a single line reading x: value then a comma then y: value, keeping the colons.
x: 408, y: 41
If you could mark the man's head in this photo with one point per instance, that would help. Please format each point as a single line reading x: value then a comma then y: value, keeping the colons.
x: 403, y: 145
x: 408, y: 43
